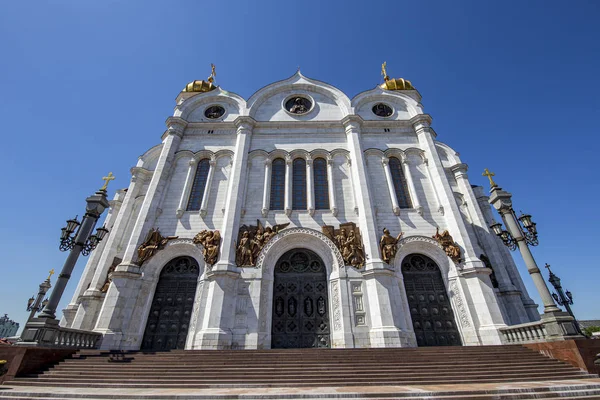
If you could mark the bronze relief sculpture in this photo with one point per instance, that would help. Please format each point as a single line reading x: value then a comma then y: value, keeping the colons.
x: 387, y: 245
x: 251, y: 240
x: 153, y: 244
x: 210, y: 241
x: 448, y: 244
x: 348, y: 241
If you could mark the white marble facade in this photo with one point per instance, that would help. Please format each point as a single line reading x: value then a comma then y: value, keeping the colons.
x: 233, y: 306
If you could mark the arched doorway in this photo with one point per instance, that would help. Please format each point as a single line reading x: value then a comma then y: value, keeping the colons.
x: 300, y: 306
x: 171, y: 309
x: 430, y: 309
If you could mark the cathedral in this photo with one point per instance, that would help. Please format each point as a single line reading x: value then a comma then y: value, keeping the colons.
x: 299, y: 218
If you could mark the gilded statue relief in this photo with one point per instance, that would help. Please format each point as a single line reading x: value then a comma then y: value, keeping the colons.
x: 387, y: 245
x: 153, y: 244
x: 348, y: 240
x: 251, y: 240
x: 447, y: 242
x: 210, y: 241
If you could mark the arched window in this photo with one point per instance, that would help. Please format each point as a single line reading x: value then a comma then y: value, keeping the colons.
x: 277, y: 184
x: 199, y: 185
x: 400, y: 186
x: 299, y: 184
x: 321, y: 185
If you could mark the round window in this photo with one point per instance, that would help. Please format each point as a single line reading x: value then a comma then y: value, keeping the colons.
x: 214, y: 112
x: 298, y: 105
x: 382, y: 110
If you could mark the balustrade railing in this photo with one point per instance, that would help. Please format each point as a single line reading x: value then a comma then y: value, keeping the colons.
x: 57, y: 336
x: 531, y: 332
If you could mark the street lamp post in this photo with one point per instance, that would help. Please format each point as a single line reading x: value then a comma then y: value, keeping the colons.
x: 521, y: 233
x: 36, y: 305
x: 563, y: 298
x: 77, y: 238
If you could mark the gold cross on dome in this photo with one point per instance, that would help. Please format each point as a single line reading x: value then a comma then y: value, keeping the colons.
x: 489, y: 174
x: 107, y: 179
x: 51, y: 273
x: 213, y: 73
x: 383, y: 71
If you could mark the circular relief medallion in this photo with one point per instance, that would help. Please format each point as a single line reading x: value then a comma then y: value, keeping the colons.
x: 214, y: 112
x: 382, y: 110
x: 298, y: 105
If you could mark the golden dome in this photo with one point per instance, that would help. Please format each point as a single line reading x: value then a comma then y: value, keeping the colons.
x: 396, y: 84
x: 199, y: 86
x: 202, y: 86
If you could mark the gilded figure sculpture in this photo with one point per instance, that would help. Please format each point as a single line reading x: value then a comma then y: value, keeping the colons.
x: 210, y: 241
x: 153, y: 244
x: 348, y: 241
x: 251, y: 240
x: 448, y: 244
x: 387, y: 245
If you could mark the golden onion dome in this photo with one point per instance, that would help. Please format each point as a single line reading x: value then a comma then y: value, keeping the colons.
x: 396, y: 84
x: 202, y: 86
x: 199, y: 86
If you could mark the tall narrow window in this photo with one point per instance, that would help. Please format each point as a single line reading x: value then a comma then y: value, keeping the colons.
x: 400, y: 185
x: 321, y: 185
x: 199, y: 185
x: 299, y: 184
x: 277, y: 184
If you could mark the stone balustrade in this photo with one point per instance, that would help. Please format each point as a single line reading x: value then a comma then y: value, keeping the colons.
x: 49, y: 334
x: 531, y: 332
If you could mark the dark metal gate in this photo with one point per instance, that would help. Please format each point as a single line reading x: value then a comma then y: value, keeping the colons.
x: 430, y: 309
x: 171, y: 309
x: 300, y: 307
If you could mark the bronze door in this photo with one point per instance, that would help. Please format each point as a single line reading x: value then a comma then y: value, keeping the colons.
x: 430, y: 309
x: 171, y: 309
x: 300, y: 307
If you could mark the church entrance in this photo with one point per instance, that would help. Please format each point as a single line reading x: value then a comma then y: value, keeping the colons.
x: 300, y: 307
x: 171, y: 309
x: 430, y: 310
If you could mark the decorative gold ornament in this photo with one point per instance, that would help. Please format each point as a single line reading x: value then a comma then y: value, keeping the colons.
x: 210, y: 241
x: 153, y: 244
x: 394, y: 84
x: 107, y: 179
x: 448, y: 244
x: 489, y: 174
x: 202, y: 86
x: 51, y: 273
x: 387, y: 245
x: 348, y: 241
x: 251, y: 240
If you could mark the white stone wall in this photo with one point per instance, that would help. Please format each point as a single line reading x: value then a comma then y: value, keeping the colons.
x: 368, y: 307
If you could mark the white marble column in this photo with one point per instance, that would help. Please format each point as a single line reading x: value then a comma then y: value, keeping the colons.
x: 112, y: 314
x: 473, y: 273
x: 331, y: 187
x: 440, y: 207
x: 267, y: 188
x: 310, y: 192
x: 411, y: 186
x: 388, y: 177
x: 214, y: 331
x: 288, y: 186
x: 187, y: 187
x: 206, y: 195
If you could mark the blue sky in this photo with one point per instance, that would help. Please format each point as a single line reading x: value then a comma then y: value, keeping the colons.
x: 85, y: 88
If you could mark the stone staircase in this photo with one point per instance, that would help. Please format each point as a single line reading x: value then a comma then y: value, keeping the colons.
x: 461, y: 367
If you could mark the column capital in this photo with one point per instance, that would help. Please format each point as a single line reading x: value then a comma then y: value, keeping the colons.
x: 175, y: 126
x: 385, y: 161
x: 329, y: 160
x: 193, y: 162
x: 213, y: 161
x: 460, y: 170
x: 421, y: 121
x: 139, y: 173
x: 268, y: 162
x: 352, y: 122
x: 244, y: 124
x: 309, y: 160
x: 288, y: 160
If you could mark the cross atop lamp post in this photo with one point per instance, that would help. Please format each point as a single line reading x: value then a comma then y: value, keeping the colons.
x: 521, y: 233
